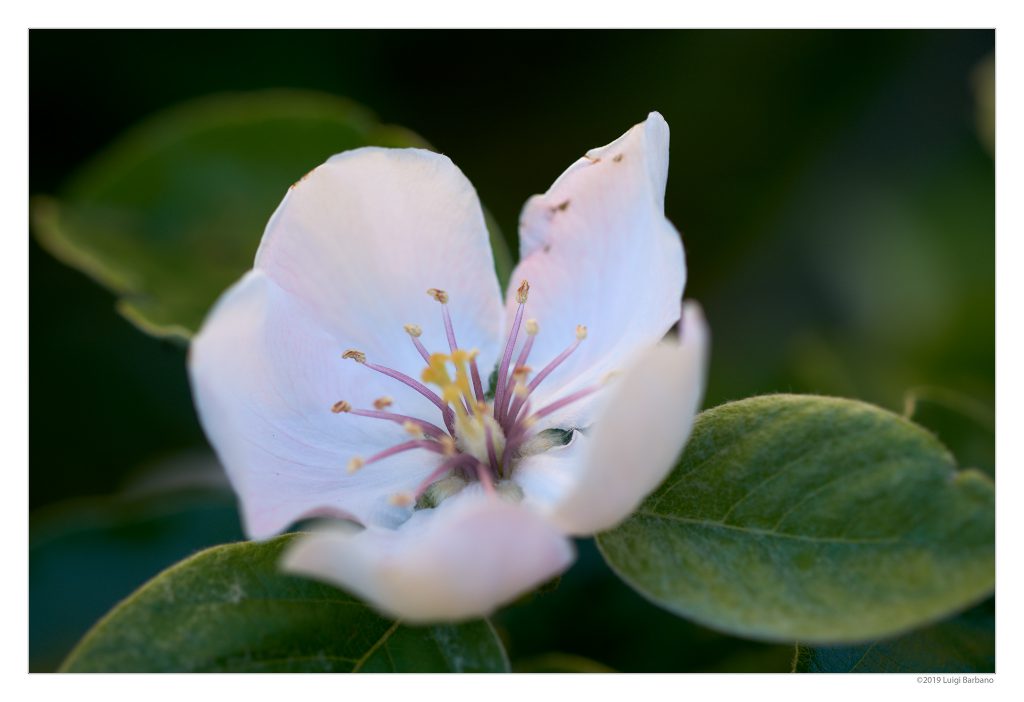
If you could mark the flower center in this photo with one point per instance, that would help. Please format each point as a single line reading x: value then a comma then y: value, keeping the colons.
x: 482, y: 438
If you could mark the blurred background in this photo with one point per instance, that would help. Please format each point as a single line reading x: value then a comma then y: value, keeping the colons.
x: 835, y: 191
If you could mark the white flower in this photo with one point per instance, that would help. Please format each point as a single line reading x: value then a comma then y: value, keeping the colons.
x: 465, y: 502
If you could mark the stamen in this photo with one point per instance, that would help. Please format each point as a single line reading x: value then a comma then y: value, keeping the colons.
x: 523, y: 292
x: 383, y: 402
x: 426, y: 444
x: 360, y: 357
x: 492, y: 457
x: 425, y: 427
x: 448, y: 465
x: 567, y: 400
x: 357, y: 356
x: 517, y: 404
x: 341, y: 406
x: 499, y: 390
x: 485, y: 478
x: 414, y: 332
x: 439, y: 295
x: 413, y: 429
x: 532, y: 328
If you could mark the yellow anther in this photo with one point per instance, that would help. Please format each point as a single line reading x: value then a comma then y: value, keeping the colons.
x: 447, y: 445
x: 521, y: 390
x: 532, y: 327
x: 521, y: 372
x: 460, y: 356
x: 413, y: 428
x: 357, y: 356
x: 355, y: 464
x: 523, y: 292
x: 413, y: 330
x: 383, y: 402
x: 581, y: 332
x: 341, y: 406
x: 439, y: 295
x: 401, y: 499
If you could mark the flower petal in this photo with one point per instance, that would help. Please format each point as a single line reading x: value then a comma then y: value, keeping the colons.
x: 265, y: 375
x: 360, y: 240
x: 461, y: 560
x: 636, y: 438
x: 598, y: 251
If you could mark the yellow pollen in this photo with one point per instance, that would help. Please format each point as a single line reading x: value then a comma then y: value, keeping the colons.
x: 439, y: 295
x: 355, y: 464
x: 357, y: 356
x: 413, y: 330
x: 523, y: 292
x: 520, y: 372
x: 400, y: 499
x: 341, y: 406
x: 383, y: 402
x: 581, y: 332
x: 532, y: 327
x: 413, y: 428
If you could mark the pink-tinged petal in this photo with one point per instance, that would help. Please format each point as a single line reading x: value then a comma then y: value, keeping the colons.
x: 265, y: 373
x: 360, y: 240
x: 639, y: 432
x: 461, y: 560
x: 598, y: 251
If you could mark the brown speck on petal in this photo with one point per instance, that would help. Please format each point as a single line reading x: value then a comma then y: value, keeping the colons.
x: 562, y: 207
x: 617, y: 158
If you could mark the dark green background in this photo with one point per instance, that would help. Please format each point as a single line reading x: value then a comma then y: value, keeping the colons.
x: 834, y: 194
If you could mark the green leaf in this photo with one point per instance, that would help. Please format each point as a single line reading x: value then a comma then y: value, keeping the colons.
x: 963, y: 644
x: 560, y: 663
x: 172, y: 213
x: 810, y: 519
x: 229, y: 608
x: 86, y: 555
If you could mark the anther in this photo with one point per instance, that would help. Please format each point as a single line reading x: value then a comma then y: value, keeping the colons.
x: 401, y: 499
x: 448, y: 447
x: 413, y: 429
x: 521, y: 372
x: 357, y: 356
x: 521, y: 390
x: 532, y: 327
x: 439, y: 295
x: 355, y: 464
x: 413, y: 330
x: 581, y: 332
x: 383, y: 402
x: 341, y: 406
x: 523, y: 292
